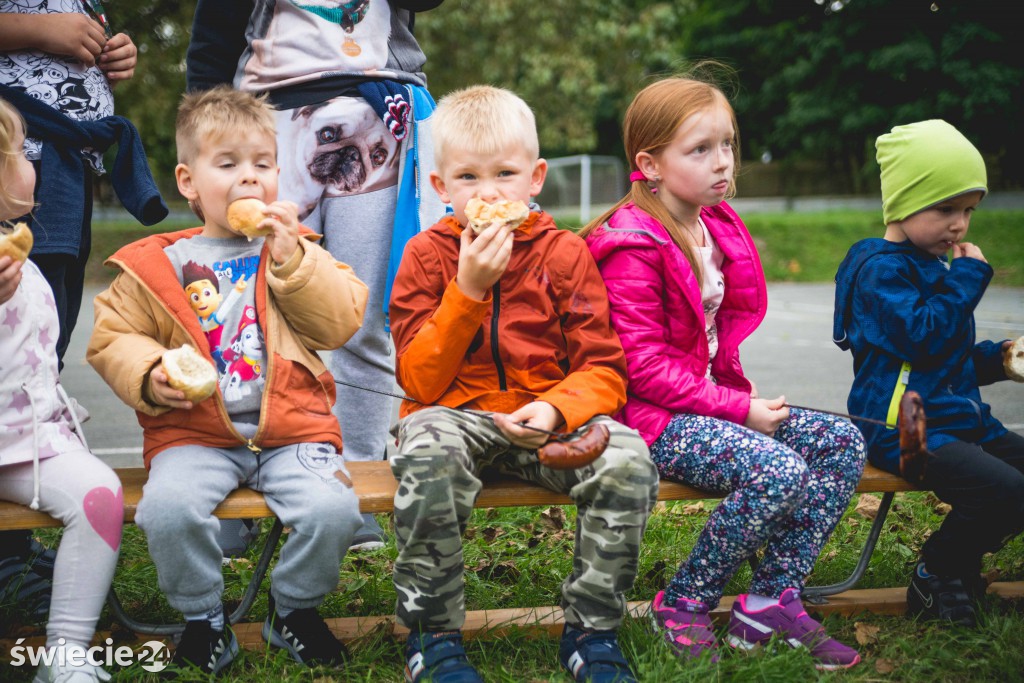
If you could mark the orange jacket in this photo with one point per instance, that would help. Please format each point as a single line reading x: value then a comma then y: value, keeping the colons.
x: 310, y: 303
x: 542, y: 333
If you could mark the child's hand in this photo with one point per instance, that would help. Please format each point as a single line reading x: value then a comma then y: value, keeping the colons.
x: 969, y: 250
x: 118, y: 58
x: 10, y: 277
x: 70, y: 34
x: 283, y: 218
x: 482, y: 259
x: 160, y: 393
x: 766, y: 415
x: 538, y: 414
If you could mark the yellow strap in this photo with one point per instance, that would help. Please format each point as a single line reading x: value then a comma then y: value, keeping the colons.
x: 901, y: 386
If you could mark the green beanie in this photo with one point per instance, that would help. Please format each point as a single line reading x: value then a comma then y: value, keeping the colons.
x: 925, y: 163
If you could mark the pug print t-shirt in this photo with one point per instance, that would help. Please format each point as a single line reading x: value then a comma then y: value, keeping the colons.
x: 219, y: 279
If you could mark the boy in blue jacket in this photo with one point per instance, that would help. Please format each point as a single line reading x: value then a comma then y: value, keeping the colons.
x: 907, y: 315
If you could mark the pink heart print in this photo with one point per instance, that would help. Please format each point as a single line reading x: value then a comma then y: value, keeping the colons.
x: 105, y: 512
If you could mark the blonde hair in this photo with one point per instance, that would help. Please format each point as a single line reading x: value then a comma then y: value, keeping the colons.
x: 209, y: 114
x: 650, y: 124
x: 483, y: 119
x: 12, y: 126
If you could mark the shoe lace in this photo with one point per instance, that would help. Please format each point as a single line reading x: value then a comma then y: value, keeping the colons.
x: 697, y: 625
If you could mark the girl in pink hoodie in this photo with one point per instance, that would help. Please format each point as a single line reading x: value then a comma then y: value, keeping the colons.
x: 686, y: 287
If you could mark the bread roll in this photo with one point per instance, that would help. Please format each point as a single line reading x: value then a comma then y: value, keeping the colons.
x: 15, y: 241
x: 188, y: 371
x: 480, y: 214
x: 245, y: 215
x: 1013, y: 360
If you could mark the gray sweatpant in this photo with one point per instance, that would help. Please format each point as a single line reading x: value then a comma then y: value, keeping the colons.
x: 307, y: 487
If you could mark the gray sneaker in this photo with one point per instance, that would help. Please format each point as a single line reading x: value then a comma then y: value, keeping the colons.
x: 370, y: 536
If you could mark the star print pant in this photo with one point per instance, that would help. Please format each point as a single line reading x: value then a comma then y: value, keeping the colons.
x: 785, y: 493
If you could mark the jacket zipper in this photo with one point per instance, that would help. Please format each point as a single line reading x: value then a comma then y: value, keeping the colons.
x: 496, y: 309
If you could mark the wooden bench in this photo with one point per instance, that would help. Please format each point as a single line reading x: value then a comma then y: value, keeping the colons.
x: 375, y: 485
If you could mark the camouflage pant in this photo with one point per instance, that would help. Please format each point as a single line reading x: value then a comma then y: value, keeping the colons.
x: 441, y: 452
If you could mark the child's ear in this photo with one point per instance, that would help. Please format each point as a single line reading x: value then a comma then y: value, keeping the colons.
x: 647, y: 164
x: 540, y: 172
x: 183, y: 174
x: 437, y: 182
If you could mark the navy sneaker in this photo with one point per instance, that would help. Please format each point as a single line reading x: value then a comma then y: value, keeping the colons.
x: 945, y: 598
x: 438, y: 656
x: 594, y: 656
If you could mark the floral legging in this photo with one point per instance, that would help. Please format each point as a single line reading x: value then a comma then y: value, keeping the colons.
x: 785, y: 492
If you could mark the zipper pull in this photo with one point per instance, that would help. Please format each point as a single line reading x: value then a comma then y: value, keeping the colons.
x: 256, y: 450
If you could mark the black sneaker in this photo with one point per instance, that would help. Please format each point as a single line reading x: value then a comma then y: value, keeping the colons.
x: 940, y: 597
x: 203, y: 648
x: 305, y: 635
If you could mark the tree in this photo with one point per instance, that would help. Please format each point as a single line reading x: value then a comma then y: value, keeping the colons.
x: 160, y: 29
x: 577, y: 63
x: 820, y: 84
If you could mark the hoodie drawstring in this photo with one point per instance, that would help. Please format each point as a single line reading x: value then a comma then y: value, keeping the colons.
x: 36, y: 484
x: 35, y: 448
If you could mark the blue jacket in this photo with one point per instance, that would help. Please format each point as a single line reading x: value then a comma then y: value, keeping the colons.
x: 896, y: 304
x: 57, y: 221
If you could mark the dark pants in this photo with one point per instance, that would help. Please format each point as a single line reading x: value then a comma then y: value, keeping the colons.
x: 985, y: 485
x: 66, y: 274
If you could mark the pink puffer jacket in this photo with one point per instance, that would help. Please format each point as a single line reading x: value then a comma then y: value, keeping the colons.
x: 656, y: 310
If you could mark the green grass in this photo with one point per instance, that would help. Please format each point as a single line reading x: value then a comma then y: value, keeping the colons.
x: 794, y: 247
x: 518, y: 557
x: 808, y: 247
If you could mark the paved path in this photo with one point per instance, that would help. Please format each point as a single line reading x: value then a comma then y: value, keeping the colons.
x: 790, y: 353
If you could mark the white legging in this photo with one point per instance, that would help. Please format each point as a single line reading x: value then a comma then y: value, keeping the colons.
x: 85, y: 494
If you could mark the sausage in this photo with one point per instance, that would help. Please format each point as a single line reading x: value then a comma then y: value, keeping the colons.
x: 914, y: 453
x: 581, y: 451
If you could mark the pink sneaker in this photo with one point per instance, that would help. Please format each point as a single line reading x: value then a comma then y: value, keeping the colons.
x: 790, y: 623
x: 686, y: 626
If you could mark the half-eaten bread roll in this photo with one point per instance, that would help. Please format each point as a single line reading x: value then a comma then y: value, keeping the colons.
x: 481, y: 215
x: 1013, y: 360
x: 15, y: 241
x: 245, y: 215
x: 188, y: 371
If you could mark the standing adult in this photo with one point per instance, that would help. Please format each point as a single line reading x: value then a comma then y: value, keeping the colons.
x: 354, y: 151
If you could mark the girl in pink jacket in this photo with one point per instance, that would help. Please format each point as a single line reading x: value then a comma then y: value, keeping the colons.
x: 686, y: 287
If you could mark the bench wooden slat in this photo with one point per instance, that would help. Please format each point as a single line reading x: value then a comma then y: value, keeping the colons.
x: 375, y: 485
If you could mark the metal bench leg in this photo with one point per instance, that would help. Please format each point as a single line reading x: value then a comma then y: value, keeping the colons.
x: 259, y: 571
x: 815, y: 595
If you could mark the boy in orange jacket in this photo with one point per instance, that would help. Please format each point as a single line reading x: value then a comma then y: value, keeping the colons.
x: 502, y: 336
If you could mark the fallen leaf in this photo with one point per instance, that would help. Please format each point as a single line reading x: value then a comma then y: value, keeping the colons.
x: 693, y: 509
x: 868, y: 505
x: 884, y: 666
x: 793, y: 266
x: 866, y: 634
x: 553, y: 517
x: 943, y: 508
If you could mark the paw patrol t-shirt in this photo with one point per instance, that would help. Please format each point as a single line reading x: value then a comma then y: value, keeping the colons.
x: 219, y: 279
